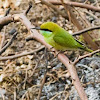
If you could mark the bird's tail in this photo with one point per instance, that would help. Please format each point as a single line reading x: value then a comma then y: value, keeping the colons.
x: 89, y: 50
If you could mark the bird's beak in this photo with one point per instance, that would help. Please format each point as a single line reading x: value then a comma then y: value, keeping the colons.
x: 37, y: 28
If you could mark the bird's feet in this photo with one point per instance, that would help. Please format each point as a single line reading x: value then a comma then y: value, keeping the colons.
x: 60, y: 52
x: 52, y: 49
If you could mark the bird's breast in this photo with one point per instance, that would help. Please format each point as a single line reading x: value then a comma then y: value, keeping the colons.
x: 51, y: 41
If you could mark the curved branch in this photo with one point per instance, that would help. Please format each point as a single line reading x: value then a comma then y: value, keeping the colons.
x: 61, y: 57
x: 5, y: 21
x: 21, y: 54
x: 53, y: 7
x: 8, y: 44
x: 87, y: 55
x: 76, y: 4
x: 85, y: 30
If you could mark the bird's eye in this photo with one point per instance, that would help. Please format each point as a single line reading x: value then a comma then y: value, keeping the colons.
x: 46, y: 30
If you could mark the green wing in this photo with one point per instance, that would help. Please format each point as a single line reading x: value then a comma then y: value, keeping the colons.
x: 66, y: 40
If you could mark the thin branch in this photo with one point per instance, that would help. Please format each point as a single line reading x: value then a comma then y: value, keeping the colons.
x: 30, y: 6
x: 85, y: 85
x: 53, y: 7
x: 84, y: 56
x: 76, y: 4
x: 8, y: 11
x: 8, y: 19
x: 21, y: 55
x: 41, y: 87
x: 61, y: 57
x: 86, y: 30
x: 2, y: 41
x: 5, y: 21
x: 43, y: 81
x: 67, y: 10
x: 8, y: 44
x: 45, y: 74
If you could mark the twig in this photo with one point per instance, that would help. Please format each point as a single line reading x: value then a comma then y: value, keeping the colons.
x: 5, y: 21
x: 67, y: 10
x: 62, y: 92
x: 29, y: 38
x: 15, y: 93
x: 28, y: 90
x: 53, y: 7
x: 8, y: 44
x: 33, y: 71
x: 61, y: 57
x: 7, y: 12
x: 20, y: 55
x: 2, y: 41
x: 76, y: 4
x: 43, y: 81
x: 90, y: 83
x: 85, y: 30
x: 12, y: 31
x: 42, y: 84
x: 30, y: 6
x: 8, y: 19
x: 3, y: 38
x: 87, y: 55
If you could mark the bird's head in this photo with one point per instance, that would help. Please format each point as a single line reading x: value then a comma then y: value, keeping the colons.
x: 47, y: 29
x: 49, y: 26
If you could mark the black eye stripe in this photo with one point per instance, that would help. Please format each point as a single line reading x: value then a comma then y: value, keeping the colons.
x: 46, y: 30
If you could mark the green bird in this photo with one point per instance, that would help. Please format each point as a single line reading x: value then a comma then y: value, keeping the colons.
x: 59, y: 38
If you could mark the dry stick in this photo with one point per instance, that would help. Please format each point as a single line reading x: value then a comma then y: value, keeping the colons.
x: 20, y: 55
x: 76, y: 4
x: 87, y: 55
x: 85, y: 30
x: 41, y: 87
x: 5, y: 21
x: 67, y: 10
x: 3, y: 38
x: 44, y: 78
x: 55, y: 9
x: 61, y: 57
x: 90, y: 83
x: 8, y: 19
x: 2, y: 41
x: 7, y: 12
x: 30, y: 6
x: 8, y: 44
